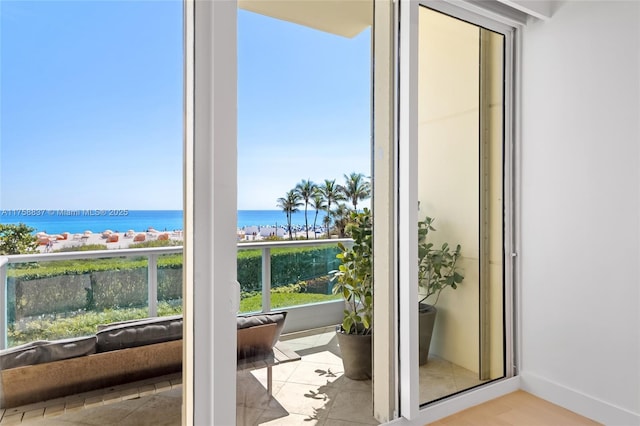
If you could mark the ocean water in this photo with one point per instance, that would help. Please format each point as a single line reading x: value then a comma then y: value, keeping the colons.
x: 276, y: 218
x: 78, y: 221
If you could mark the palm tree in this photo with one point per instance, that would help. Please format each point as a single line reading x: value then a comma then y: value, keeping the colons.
x: 289, y: 204
x: 305, y: 190
x: 326, y: 221
x: 317, y: 202
x: 331, y: 193
x: 356, y: 188
x: 341, y: 219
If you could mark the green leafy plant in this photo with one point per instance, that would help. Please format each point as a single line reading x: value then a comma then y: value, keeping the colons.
x: 353, y: 279
x: 17, y: 239
x: 437, y: 268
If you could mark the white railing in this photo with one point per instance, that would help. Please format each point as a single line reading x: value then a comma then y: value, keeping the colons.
x: 152, y: 255
x: 4, y: 261
x: 266, y: 246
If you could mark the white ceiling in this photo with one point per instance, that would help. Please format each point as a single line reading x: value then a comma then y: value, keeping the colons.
x: 341, y: 17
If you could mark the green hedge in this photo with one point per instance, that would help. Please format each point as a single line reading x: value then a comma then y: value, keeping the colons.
x: 92, y: 284
x: 288, y: 266
x: 95, y: 284
x: 82, y: 266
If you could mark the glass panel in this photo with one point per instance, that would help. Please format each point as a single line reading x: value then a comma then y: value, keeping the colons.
x: 250, y: 277
x: 170, y: 284
x: 70, y: 298
x: 299, y: 275
x: 304, y: 165
x: 91, y: 160
x: 460, y: 167
x: 303, y: 147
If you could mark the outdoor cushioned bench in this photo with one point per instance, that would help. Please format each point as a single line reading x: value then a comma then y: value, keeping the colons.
x: 121, y: 353
x: 258, y: 345
x: 118, y: 353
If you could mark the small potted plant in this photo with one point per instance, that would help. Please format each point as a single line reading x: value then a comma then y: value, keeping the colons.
x: 437, y: 270
x: 353, y: 280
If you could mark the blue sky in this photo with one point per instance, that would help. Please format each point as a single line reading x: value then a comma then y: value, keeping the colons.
x: 91, y: 105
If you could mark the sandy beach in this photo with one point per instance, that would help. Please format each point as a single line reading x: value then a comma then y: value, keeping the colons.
x: 112, y: 240
x: 121, y: 240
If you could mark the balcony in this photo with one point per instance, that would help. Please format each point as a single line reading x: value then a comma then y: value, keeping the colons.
x: 144, y: 284
x: 136, y: 283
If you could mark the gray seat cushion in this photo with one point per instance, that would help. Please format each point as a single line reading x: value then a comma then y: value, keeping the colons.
x: 42, y: 351
x: 130, y: 334
x: 265, y: 338
x: 135, y: 321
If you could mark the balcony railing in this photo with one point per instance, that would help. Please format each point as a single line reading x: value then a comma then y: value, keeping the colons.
x: 300, y: 317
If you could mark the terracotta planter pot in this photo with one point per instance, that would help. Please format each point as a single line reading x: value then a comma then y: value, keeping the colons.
x: 355, y: 350
x: 426, y: 321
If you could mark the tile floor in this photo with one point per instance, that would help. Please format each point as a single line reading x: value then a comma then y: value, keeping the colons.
x: 440, y: 378
x: 148, y: 402
x: 312, y: 391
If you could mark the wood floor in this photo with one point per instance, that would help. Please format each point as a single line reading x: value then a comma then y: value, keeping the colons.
x: 516, y: 409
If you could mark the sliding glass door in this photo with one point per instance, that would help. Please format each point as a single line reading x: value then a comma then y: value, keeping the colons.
x: 460, y: 120
x: 455, y: 207
x: 449, y: 161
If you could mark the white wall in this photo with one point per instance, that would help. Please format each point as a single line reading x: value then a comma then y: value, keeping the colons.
x: 580, y: 209
x: 448, y: 152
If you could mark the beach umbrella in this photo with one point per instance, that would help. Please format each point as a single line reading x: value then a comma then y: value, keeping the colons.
x: 87, y: 232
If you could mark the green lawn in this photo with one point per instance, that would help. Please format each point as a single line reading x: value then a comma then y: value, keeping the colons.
x: 282, y: 300
x: 82, y: 324
x: 86, y: 323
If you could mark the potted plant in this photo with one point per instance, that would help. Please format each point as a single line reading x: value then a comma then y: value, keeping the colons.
x: 353, y: 280
x: 437, y: 270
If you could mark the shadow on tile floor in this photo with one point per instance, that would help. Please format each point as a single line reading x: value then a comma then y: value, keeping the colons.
x: 312, y: 391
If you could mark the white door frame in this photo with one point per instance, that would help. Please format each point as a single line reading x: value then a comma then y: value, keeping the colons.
x: 384, y: 207
x: 407, y: 103
x: 210, y: 181
x: 211, y: 292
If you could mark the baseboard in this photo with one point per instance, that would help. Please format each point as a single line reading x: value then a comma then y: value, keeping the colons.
x: 577, y: 402
x: 461, y: 402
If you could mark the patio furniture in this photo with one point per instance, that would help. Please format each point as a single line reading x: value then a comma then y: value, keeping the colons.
x: 119, y: 353
x: 258, y: 345
x: 125, y: 352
